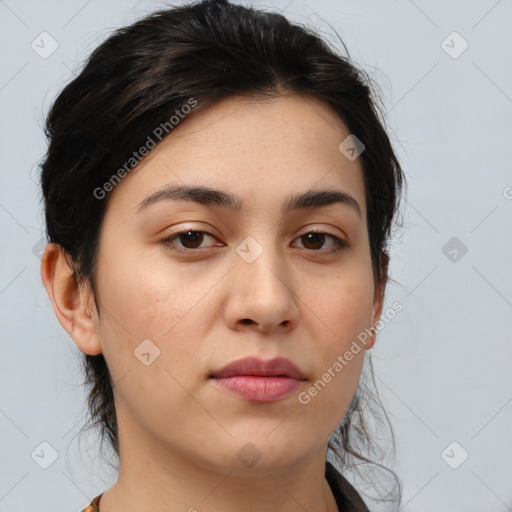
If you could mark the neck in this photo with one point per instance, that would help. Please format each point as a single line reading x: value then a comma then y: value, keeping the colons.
x: 161, y: 481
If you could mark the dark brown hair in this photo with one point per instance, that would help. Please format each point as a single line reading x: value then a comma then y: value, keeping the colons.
x: 137, y: 79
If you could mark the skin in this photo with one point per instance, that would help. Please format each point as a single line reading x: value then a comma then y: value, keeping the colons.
x: 179, y: 434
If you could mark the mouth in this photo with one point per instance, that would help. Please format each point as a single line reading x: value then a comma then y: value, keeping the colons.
x: 256, y: 367
x: 256, y: 380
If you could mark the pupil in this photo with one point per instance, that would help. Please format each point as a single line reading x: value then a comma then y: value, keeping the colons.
x: 315, y: 235
x: 196, y: 240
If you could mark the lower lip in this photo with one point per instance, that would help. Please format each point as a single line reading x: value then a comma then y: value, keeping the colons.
x: 259, y: 389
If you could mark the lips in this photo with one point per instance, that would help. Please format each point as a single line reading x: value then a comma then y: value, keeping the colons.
x: 256, y: 380
x: 256, y: 367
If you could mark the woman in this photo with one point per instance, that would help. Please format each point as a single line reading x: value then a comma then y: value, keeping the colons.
x: 219, y: 193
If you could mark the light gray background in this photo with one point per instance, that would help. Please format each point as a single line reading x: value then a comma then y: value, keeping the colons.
x: 443, y: 365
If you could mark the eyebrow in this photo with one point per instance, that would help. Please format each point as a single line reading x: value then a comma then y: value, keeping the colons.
x: 207, y: 196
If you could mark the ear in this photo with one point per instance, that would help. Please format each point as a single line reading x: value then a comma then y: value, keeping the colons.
x: 378, y: 302
x: 72, y: 303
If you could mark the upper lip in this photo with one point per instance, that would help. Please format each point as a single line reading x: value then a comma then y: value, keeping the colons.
x: 279, y: 366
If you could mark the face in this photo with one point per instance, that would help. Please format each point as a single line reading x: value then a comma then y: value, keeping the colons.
x: 186, y: 287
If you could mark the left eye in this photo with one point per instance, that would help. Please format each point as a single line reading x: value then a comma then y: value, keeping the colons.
x: 192, y: 239
x: 317, y: 238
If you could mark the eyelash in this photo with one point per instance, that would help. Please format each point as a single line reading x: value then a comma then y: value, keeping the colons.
x: 339, y: 244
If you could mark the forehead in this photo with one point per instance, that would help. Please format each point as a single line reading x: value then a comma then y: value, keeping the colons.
x: 260, y: 149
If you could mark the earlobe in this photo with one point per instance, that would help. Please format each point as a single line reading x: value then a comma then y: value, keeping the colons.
x: 71, y: 302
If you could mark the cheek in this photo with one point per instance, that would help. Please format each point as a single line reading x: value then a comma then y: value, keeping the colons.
x: 343, y: 307
x: 327, y: 398
x: 147, y: 295
x: 338, y: 314
x: 146, y: 299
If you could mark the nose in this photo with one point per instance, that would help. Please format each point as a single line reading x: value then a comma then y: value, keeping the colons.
x: 260, y: 295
